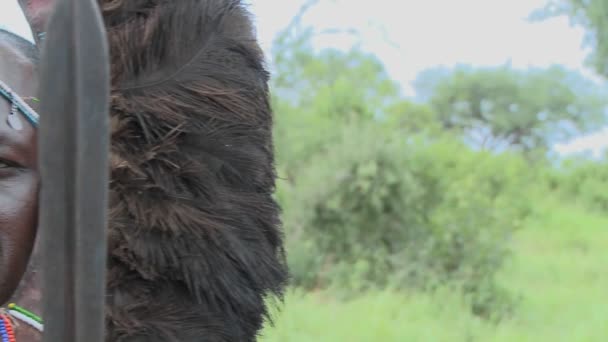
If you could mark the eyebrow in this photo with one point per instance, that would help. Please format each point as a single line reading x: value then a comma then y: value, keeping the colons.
x: 17, y: 101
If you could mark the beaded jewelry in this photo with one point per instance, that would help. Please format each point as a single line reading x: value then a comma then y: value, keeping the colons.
x: 26, y: 316
x: 13, y: 117
x: 18, y: 105
x: 11, y: 317
x: 6, y: 329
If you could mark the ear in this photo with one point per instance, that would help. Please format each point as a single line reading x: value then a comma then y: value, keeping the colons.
x: 37, y: 13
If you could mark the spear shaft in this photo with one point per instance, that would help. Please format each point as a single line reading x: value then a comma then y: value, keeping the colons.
x: 73, y: 151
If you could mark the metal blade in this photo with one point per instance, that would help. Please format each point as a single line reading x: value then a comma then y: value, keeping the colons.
x: 73, y: 149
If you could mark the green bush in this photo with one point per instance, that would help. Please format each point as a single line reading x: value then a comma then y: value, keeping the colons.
x: 379, y: 210
x: 583, y: 181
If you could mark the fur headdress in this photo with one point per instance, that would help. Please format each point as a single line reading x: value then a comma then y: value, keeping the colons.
x: 195, y: 240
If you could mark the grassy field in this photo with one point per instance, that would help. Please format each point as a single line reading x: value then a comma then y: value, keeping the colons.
x: 559, y: 268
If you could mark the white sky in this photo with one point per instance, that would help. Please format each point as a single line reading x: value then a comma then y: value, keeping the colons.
x: 410, y: 36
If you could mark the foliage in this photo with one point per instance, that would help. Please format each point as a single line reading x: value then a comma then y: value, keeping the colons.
x: 380, y: 210
x: 354, y: 78
x: 317, y: 92
x: 500, y: 108
x: 377, y: 193
x: 412, y: 118
x: 558, y: 271
x: 589, y: 14
x: 582, y: 180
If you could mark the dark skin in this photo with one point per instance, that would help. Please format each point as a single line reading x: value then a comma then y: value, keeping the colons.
x: 37, y: 13
x: 19, y: 184
x: 20, y: 282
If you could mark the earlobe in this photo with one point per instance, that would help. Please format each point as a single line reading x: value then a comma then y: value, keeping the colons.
x: 24, y: 8
x: 37, y: 14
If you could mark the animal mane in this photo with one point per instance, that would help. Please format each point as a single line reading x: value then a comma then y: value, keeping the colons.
x: 195, y: 245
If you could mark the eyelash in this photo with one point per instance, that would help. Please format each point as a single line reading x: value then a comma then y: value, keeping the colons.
x: 5, y: 164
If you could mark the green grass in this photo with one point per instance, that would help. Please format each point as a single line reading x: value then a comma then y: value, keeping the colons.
x: 559, y: 268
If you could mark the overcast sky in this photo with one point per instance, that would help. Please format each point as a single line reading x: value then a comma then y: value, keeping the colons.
x: 410, y: 36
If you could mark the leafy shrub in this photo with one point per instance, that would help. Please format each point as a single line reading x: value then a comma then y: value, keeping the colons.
x: 378, y: 210
x: 583, y: 181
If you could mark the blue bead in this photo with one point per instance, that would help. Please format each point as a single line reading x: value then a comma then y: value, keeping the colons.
x: 3, y: 331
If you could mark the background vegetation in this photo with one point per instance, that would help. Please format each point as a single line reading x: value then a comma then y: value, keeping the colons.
x: 445, y: 219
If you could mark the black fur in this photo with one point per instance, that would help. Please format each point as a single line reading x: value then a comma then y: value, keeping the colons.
x: 195, y: 239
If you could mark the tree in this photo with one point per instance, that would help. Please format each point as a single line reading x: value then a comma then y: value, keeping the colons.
x: 349, y: 80
x: 499, y: 108
x: 589, y: 14
x: 317, y: 92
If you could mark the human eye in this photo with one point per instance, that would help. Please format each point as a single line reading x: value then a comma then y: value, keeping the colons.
x: 6, y: 165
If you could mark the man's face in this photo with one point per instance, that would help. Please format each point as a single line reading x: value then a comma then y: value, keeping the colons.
x: 18, y: 175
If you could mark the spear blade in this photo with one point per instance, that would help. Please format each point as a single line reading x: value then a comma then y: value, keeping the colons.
x: 73, y: 150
